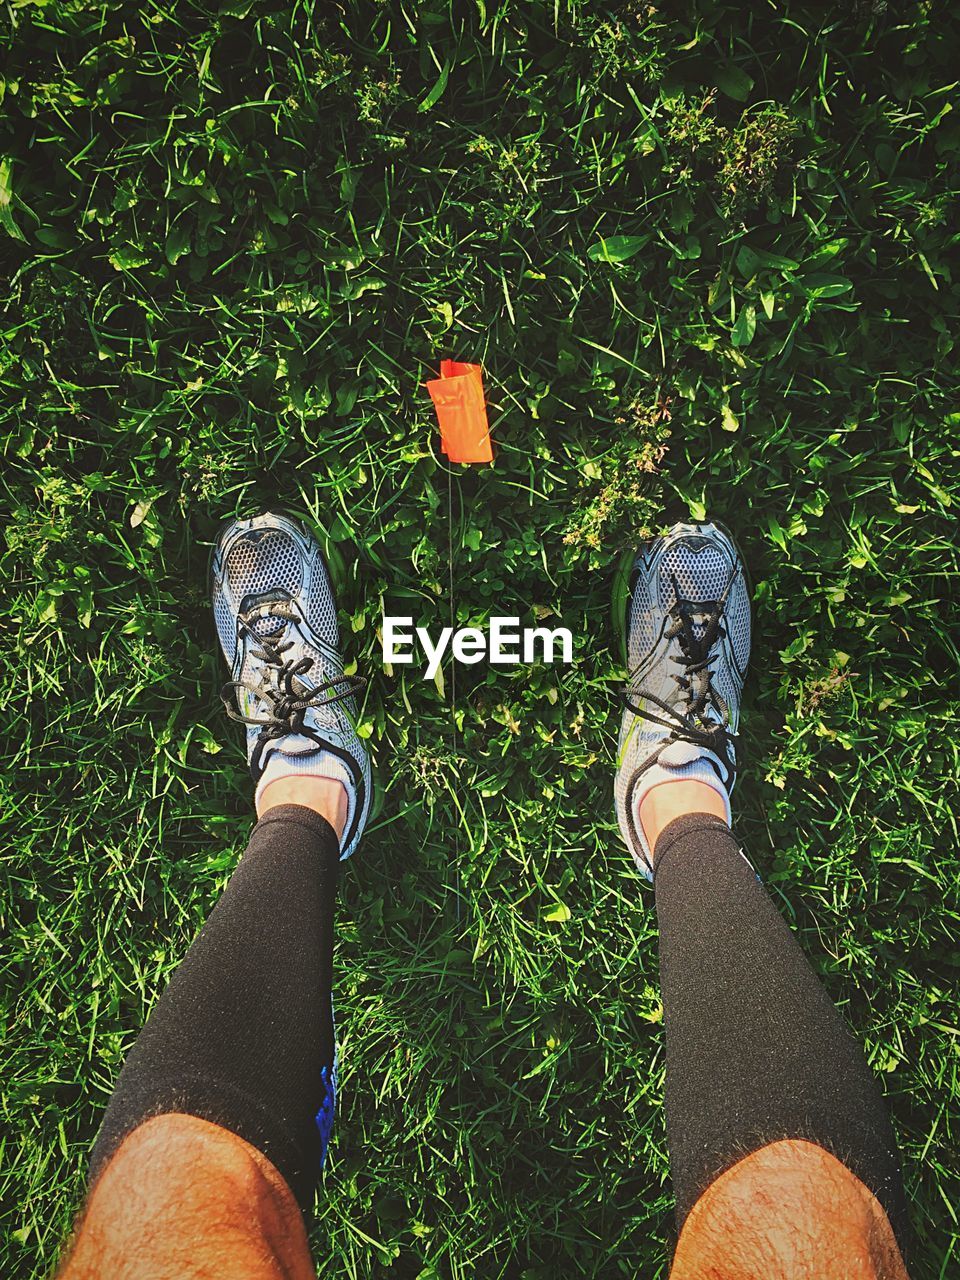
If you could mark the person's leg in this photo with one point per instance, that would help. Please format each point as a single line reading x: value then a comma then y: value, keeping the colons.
x: 791, y: 1211
x: 185, y: 1198
x: 212, y: 1144
x: 781, y: 1154
x: 220, y: 1117
x: 780, y: 1146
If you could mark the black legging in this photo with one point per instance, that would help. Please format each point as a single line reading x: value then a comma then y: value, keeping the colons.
x: 243, y: 1034
x: 756, y: 1051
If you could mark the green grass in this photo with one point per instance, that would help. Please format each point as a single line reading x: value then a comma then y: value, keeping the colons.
x: 709, y: 261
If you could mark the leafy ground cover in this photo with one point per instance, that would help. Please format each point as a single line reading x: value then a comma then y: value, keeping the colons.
x: 707, y: 255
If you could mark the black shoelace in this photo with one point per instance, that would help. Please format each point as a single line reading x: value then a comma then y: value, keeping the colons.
x: 690, y: 724
x: 291, y: 698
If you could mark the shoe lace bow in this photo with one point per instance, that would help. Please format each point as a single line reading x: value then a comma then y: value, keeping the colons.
x: 283, y: 691
x: 690, y: 723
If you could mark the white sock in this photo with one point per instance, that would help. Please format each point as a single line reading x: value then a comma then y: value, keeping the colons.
x: 298, y: 757
x: 680, y: 761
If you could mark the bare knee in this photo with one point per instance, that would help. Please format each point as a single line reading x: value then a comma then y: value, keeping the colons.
x: 791, y: 1211
x: 184, y: 1198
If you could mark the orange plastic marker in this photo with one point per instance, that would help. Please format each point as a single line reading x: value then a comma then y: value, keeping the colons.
x: 462, y: 412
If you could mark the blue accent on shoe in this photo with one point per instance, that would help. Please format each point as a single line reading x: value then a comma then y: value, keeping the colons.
x: 324, y: 1116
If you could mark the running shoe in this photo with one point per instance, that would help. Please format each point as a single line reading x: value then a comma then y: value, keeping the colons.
x: 687, y: 636
x: 277, y: 621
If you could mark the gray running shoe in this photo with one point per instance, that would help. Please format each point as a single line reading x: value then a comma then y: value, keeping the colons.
x: 688, y: 644
x: 277, y: 622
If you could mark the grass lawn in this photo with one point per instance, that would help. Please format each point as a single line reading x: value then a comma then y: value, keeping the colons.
x: 707, y: 254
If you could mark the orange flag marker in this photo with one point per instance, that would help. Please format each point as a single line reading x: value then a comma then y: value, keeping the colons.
x: 462, y: 412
